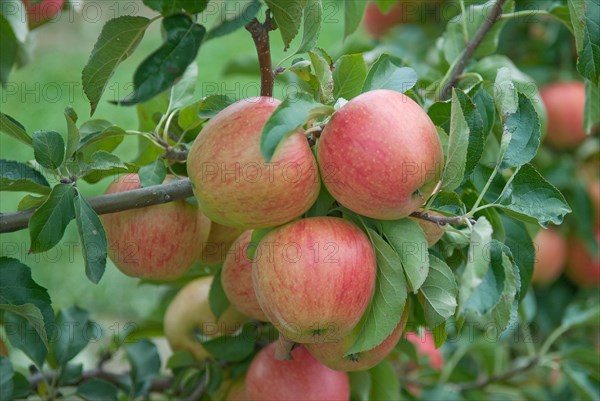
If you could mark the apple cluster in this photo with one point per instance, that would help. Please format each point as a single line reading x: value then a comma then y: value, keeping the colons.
x: 312, y: 278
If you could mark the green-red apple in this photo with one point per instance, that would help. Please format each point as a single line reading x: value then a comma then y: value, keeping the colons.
x: 564, y: 102
x: 219, y: 241
x: 433, y: 231
x: 550, y: 256
x: 44, y: 11
x: 236, y: 276
x: 190, y: 312
x: 332, y: 354
x: 156, y: 242
x: 301, y: 378
x: 314, y: 278
x: 377, y: 23
x: 380, y: 155
x: 234, y: 184
x: 426, y: 347
x: 583, y: 268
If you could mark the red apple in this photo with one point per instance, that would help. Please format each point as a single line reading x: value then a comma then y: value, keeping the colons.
x: 433, y: 231
x: 550, y: 256
x: 565, y: 102
x: 380, y: 155
x: 219, y: 241
x: 301, y: 378
x: 234, y: 184
x: 190, y: 312
x: 314, y: 278
x: 583, y: 268
x: 426, y: 347
x: 236, y: 276
x: 42, y: 12
x: 377, y: 23
x: 156, y: 242
x: 332, y: 354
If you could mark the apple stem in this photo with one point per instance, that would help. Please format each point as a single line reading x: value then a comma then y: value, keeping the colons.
x: 443, y: 220
x: 260, y: 35
x: 283, y: 350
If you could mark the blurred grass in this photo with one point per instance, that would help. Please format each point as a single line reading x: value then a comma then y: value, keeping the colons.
x: 37, y: 96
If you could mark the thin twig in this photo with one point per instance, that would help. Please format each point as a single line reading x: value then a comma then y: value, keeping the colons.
x: 459, y: 67
x: 442, y: 220
x: 260, y: 35
x: 485, y: 381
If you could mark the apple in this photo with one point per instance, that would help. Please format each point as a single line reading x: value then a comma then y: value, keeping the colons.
x: 189, y: 313
x: 38, y: 14
x: 583, y: 268
x: 426, y: 347
x: 380, y: 155
x: 237, y: 392
x: 301, y: 378
x: 219, y: 241
x: 314, y: 278
x: 236, y: 276
x: 377, y: 23
x: 564, y: 102
x: 234, y: 184
x: 433, y: 231
x: 550, y: 256
x: 159, y: 242
x: 332, y: 354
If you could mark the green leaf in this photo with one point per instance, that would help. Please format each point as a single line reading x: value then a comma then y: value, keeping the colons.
x: 360, y: 385
x: 71, y: 335
x: 13, y: 128
x: 93, y: 239
x: 585, y: 15
x: 287, y: 16
x: 162, y: 68
x: 323, y: 203
x: 384, y: 382
x: 487, y: 294
x: 438, y: 293
x: 153, y: 174
x: 117, y: 41
x: 505, y: 92
x: 168, y: 7
x: 28, y: 302
x: 73, y: 136
x: 388, y: 302
x: 257, y: 236
x: 579, y: 379
x: 217, y: 299
x: 49, y: 149
x: 529, y: 197
x: 226, y: 25
x: 523, y: 129
x: 582, y: 313
x: 287, y: 118
x: 313, y: 17
x: 97, y: 390
x: 97, y: 131
x: 520, y: 244
x: 10, y: 49
x: 182, y: 92
x: 19, y: 177
x: 48, y: 223
x: 409, y: 242
x: 232, y: 348
x: 6, y: 379
x: 505, y: 313
x: 353, y: 14
x: 591, y: 113
x: 145, y: 365
x: 104, y: 161
x: 31, y: 202
x: 478, y: 260
x: 387, y: 73
x: 465, y: 142
x: 210, y: 106
x: 349, y: 76
x: 323, y: 74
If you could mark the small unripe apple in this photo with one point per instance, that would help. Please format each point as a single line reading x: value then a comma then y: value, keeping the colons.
x: 433, y: 231
x: 426, y: 347
x: 234, y: 184
x: 236, y: 276
x: 332, y: 354
x: 583, y: 268
x: 301, y: 378
x: 219, y: 241
x: 159, y: 242
x: 189, y: 313
x: 380, y: 155
x: 38, y: 14
x: 314, y: 278
x: 550, y: 256
x: 565, y: 102
x: 237, y: 392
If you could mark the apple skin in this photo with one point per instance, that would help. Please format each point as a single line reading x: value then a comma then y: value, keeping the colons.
x: 550, y: 256
x: 43, y: 12
x: 332, y: 354
x: 301, y: 378
x: 232, y: 181
x: 159, y: 242
x: 380, y: 155
x: 314, y: 278
x: 426, y: 347
x: 564, y: 102
x: 433, y: 231
x: 190, y: 311
x: 236, y: 276
x: 219, y: 241
x: 583, y: 268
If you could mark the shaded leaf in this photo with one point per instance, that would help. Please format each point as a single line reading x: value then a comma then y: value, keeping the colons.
x: 93, y: 239
x: 19, y: 177
x: 387, y: 73
x: 49, y: 149
x: 48, y: 223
